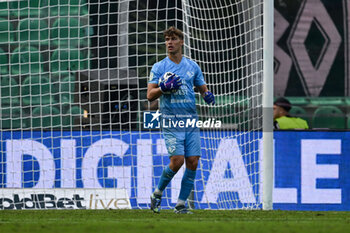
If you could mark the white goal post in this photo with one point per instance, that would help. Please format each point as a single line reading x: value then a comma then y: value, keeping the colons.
x: 74, y: 131
x: 268, y: 149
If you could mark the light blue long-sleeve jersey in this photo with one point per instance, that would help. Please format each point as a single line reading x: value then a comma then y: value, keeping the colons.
x: 183, y: 101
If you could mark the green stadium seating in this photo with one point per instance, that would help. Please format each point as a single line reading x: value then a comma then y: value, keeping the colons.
x: 4, y: 62
x: 66, y: 89
x: 298, y: 100
x: 55, y: 79
x: 68, y: 32
x: 297, y: 111
x: 66, y: 7
x: 330, y: 117
x: 34, y: 31
x: 26, y: 60
x: 5, y: 9
x: 6, y: 32
x: 347, y: 101
x: 66, y: 59
x: 327, y: 101
x: 77, y: 7
x: 227, y: 100
x: 11, y: 118
x: 51, y: 6
x: 26, y: 8
x: 45, y: 117
x: 9, y: 92
x: 36, y: 90
x: 72, y: 115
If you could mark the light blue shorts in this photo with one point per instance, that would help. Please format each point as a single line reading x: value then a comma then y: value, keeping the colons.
x: 183, y: 142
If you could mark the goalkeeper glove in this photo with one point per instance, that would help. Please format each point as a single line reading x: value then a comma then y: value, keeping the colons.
x: 209, y: 98
x: 171, y: 85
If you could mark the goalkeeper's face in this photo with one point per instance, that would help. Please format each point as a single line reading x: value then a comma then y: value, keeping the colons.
x: 173, y: 44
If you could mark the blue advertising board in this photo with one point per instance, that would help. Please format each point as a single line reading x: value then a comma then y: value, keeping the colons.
x: 310, y: 167
x: 311, y: 170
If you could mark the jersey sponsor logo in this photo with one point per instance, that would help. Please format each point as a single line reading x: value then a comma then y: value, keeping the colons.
x: 190, y: 74
x: 181, y: 91
x: 176, y: 101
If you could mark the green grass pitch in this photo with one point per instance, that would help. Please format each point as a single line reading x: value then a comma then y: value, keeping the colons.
x: 144, y: 221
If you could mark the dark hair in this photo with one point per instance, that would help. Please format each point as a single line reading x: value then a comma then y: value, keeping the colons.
x: 283, y: 103
x: 174, y: 31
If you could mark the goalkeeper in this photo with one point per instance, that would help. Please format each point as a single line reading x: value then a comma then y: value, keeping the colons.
x: 177, y: 103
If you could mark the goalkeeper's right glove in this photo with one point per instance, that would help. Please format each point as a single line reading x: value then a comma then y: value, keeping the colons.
x: 171, y: 85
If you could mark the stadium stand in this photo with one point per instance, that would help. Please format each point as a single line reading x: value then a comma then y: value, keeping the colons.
x: 45, y: 116
x: 74, y: 113
x: 298, y: 111
x: 36, y: 90
x: 66, y: 7
x: 39, y: 56
x: 6, y: 32
x: 4, y: 62
x: 327, y: 101
x: 329, y: 117
x: 33, y: 31
x: 4, y: 9
x: 65, y: 32
x: 66, y: 89
x: 27, y: 8
x: 68, y: 60
x: 9, y: 92
x: 298, y: 100
x: 68, y: 32
x: 26, y: 60
x: 11, y: 118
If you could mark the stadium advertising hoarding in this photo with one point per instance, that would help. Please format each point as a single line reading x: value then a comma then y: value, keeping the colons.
x: 64, y: 199
x: 311, y: 169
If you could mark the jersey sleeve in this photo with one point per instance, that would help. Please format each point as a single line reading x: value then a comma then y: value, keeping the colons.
x: 199, y: 78
x: 154, y: 74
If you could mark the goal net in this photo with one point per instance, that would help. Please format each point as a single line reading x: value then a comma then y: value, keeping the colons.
x: 74, y: 77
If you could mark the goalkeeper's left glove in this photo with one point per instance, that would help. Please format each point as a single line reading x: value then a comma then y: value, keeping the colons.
x: 209, y: 98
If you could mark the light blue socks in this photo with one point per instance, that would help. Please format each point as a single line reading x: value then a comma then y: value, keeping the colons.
x: 186, y: 185
x: 166, y: 177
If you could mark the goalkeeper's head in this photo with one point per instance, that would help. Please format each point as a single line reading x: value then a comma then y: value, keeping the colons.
x: 173, y: 31
x: 174, y: 40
